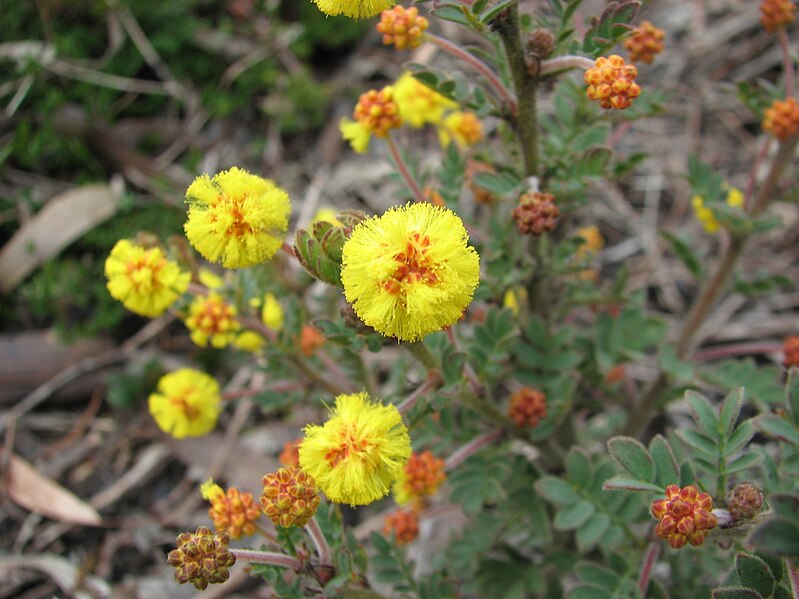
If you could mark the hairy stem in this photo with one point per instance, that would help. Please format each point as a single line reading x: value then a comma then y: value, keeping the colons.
x: 652, y: 554
x: 319, y: 540
x: 461, y: 454
x: 565, y: 62
x: 254, y: 556
x: 787, y: 64
x: 432, y: 383
x: 403, y: 169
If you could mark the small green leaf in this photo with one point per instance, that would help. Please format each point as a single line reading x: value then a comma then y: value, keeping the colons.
x: 666, y: 470
x: 777, y: 536
x: 684, y: 252
x: 775, y: 564
x: 578, y: 468
x: 597, y: 575
x: 792, y: 393
x: 589, y: 591
x: 698, y: 441
x: 730, y: 410
x: 633, y: 457
x: 753, y: 572
x: 594, y: 162
x: 452, y: 367
x: 452, y: 12
x: 785, y: 505
x: 739, y: 438
x: 573, y: 516
x: 590, y: 533
x: 743, y: 462
x: 778, y: 427
x: 703, y: 413
x: 498, y: 183
x: 735, y: 593
x: 556, y: 490
x: 620, y: 483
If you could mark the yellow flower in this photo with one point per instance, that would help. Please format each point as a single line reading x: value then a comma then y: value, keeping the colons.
x: 704, y: 215
x: 735, y: 198
x: 592, y: 242
x: 210, y: 279
x: 409, y: 272
x: 326, y: 215
x: 462, y: 126
x: 356, y: 133
x: 513, y: 299
x: 143, y: 279
x: 212, y: 318
x: 357, y: 9
x: 236, y: 218
x: 249, y: 341
x: 186, y: 403
x: 358, y: 453
x: 272, y: 313
x: 419, y: 104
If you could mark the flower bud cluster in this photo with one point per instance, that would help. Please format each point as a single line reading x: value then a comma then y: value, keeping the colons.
x: 776, y: 13
x: 645, y: 43
x: 782, y: 118
x: 377, y: 111
x: 402, y: 27
x: 541, y: 43
x: 536, y: 213
x: 527, y: 407
x: 290, y: 497
x: 745, y: 500
x: 404, y: 524
x: 685, y: 516
x: 233, y: 512
x: 611, y: 82
x: 791, y: 350
x: 201, y: 558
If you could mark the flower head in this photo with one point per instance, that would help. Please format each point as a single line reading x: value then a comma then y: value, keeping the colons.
x: 536, y: 213
x: 375, y: 113
x: 311, y: 339
x: 781, y: 119
x: 272, y: 313
x: 775, y: 14
x: 419, y: 104
x: 233, y: 512
x: 612, y: 83
x: 791, y: 351
x: 290, y: 497
x: 212, y: 319
x: 356, y: 9
x: 685, y: 516
x: 420, y: 477
x: 143, y: 279
x: 201, y: 557
x: 402, y: 27
x: 236, y: 218
x: 356, y: 455
x: 249, y: 341
x: 409, y: 272
x: 186, y: 403
x: 463, y: 126
x: 745, y: 500
x: 404, y: 524
x: 290, y: 456
x: 645, y: 42
x: 706, y: 216
x: 514, y: 298
x: 527, y: 407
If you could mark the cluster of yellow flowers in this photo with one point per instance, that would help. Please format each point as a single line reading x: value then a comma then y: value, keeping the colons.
x: 705, y: 215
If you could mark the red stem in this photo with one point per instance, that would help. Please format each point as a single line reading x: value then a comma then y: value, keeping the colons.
x: 403, y: 170
x: 267, y: 557
x: 787, y: 64
x: 652, y: 554
x: 461, y: 454
x: 740, y: 349
x: 319, y: 540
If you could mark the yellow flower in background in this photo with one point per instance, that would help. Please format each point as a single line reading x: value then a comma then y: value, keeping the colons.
x: 358, y: 453
x: 514, y: 298
x: 143, y: 279
x: 419, y: 104
x: 272, y: 313
x: 212, y: 319
x: 462, y: 126
x: 326, y: 215
x: 734, y: 199
x: 236, y: 218
x: 210, y: 279
x: 356, y: 133
x: 249, y: 341
x: 186, y: 403
x: 409, y: 272
x: 357, y: 9
x: 592, y: 242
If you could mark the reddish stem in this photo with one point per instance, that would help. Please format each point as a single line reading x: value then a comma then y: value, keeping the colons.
x: 652, y: 554
x: 787, y: 64
x: 267, y: 557
x: 565, y: 62
x: 319, y: 540
x: 403, y: 170
x: 431, y: 384
x: 461, y: 454
x: 739, y: 349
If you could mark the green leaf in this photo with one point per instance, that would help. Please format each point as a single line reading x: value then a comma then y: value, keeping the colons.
x: 620, y: 483
x: 498, y: 183
x: 684, y: 252
x: 792, y: 393
x: 730, y: 410
x: 452, y: 12
x: 556, y: 490
x: 589, y: 591
x: 592, y: 531
x: 703, y: 413
x: 594, y: 162
x: 680, y: 370
x: 597, y: 575
x: 777, y: 536
x: 573, y: 516
x: 753, y: 572
x: 739, y: 438
x: 578, y: 468
x: 633, y: 457
x: 666, y: 470
x: 778, y: 427
x: 775, y: 564
x: 785, y: 505
x: 698, y: 441
x: 497, y: 8
x: 743, y: 462
x: 735, y: 593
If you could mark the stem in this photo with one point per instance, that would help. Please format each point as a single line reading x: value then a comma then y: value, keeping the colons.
x: 468, y: 371
x: 267, y: 557
x: 478, y: 65
x: 422, y: 354
x: 403, y: 170
x: 319, y: 540
x: 794, y: 576
x: 739, y: 349
x: 433, y: 382
x: 787, y: 64
x: 507, y: 25
x: 565, y: 62
x: 652, y: 554
x: 461, y: 454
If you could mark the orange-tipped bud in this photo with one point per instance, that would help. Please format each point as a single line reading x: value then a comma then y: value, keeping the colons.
x: 311, y: 339
x: 201, y: 558
x: 432, y: 196
x: 745, y: 500
x: 290, y: 497
x: 404, y: 524
x: 233, y: 512
x: 782, y: 119
x: 611, y: 82
x: 775, y: 14
x: 536, y: 213
x: 402, y: 27
x: 527, y: 407
x: 645, y: 43
x: 685, y: 516
x: 421, y: 477
x: 290, y: 456
x: 791, y: 349
x: 377, y: 111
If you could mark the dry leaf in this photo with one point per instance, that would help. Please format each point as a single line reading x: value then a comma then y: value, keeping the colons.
x: 64, y: 219
x: 42, y: 495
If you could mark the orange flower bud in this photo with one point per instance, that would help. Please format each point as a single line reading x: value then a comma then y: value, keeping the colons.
x: 290, y: 497
x: 201, y: 558
x: 782, y: 119
x: 527, y: 407
x: 404, y: 524
x: 645, y: 43
x: 775, y: 14
x: 311, y: 339
x: 536, y: 213
x: 791, y: 349
x: 377, y: 111
x: 611, y: 82
x: 685, y: 516
x: 402, y: 27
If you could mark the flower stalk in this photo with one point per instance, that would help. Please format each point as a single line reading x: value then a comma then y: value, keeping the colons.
x: 403, y: 169
x: 461, y: 454
x: 272, y: 558
x: 319, y: 541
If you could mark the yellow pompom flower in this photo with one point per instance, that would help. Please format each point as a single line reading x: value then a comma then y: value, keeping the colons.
x: 463, y: 126
x: 358, y: 453
x: 236, y: 218
x: 409, y: 272
x: 272, y: 313
x: 212, y: 319
x: 249, y: 341
x: 357, y: 9
x: 419, y: 104
x: 186, y: 403
x: 143, y: 279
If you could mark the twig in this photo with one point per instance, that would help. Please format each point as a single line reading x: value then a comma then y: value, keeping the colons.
x: 431, y: 384
x: 787, y: 64
x: 469, y: 449
x: 565, y: 62
x: 403, y: 169
x: 254, y: 556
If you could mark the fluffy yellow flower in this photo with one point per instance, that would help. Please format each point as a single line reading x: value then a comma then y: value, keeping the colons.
x: 357, y: 9
x: 409, y: 272
x: 210, y: 279
x: 236, y: 218
x: 212, y: 319
x: 249, y: 341
x: 186, y: 403
x: 356, y: 455
x: 272, y: 313
x: 463, y: 126
x: 143, y: 279
x: 419, y: 104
